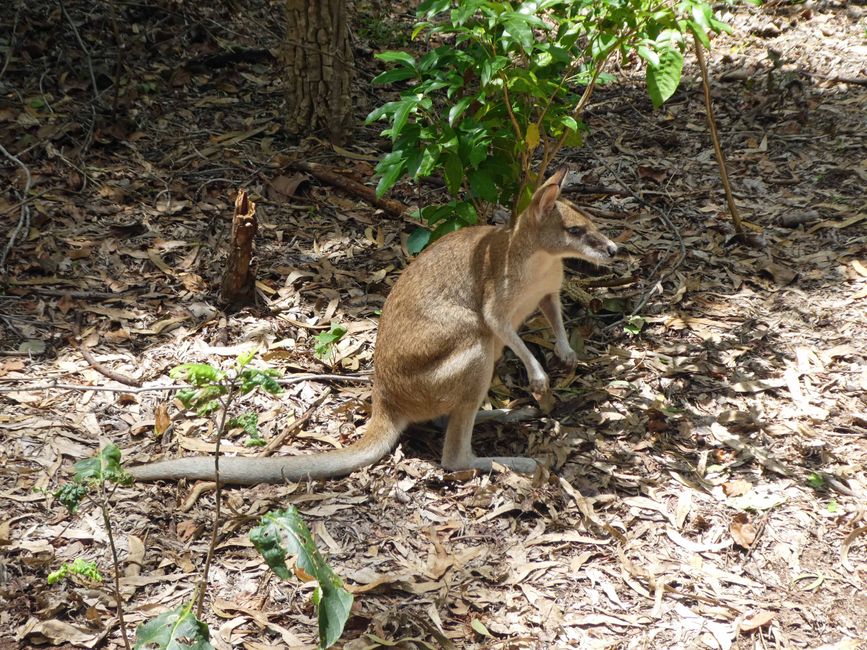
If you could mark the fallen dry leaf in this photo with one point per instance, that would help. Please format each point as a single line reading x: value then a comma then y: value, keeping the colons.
x: 742, y: 531
x: 757, y: 620
x: 736, y: 488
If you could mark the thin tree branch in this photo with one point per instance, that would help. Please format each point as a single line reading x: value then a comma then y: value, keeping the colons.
x: 714, y: 136
x: 24, y: 218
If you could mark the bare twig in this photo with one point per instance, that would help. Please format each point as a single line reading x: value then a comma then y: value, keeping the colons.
x: 215, y: 531
x: 346, y: 184
x: 857, y: 81
x: 118, y: 63
x: 286, y: 381
x: 83, y: 49
x: 714, y: 136
x: 103, y: 506
x: 24, y: 218
x: 60, y: 293
x: 275, y: 443
x: 96, y: 365
x: 11, y: 47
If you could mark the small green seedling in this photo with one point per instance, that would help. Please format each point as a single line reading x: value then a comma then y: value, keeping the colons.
x: 78, y: 569
x: 282, y: 534
x: 816, y: 481
x: 326, y: 342
x: 634, y: 325
x: 177, y: 629
x: 249, y: 422
x: 96, y: 479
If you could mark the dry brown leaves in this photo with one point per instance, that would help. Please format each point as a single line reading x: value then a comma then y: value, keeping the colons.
x: 710, y: 468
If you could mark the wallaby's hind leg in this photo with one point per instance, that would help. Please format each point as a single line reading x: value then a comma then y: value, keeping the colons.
x: 458, y: 447
x: 470, y: 376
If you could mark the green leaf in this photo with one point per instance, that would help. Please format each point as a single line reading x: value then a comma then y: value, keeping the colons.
x: 467, y: 213
x: 396, y: 56
x: 105, y: 466
x: 490, y: 67
x: 203, y: 400
x: 324, y: 347
x: 662, y: 80
x: 815, y: 480
x: 391, y: 167
x: 418, y: 29
x: 249, y: 422
x: 87, y: 571
x: 517, y: 26
x: 253, y: 378
x: 429, y: 159
x: 482, y: 186
x: 70, y: 496
x: 401, y: 116
x: 382, y: 111
x: 198, y: 374
x: 454, y: 173
x: 245, y: 357
x: 458, y: 109
x: 701, y: 14
x: 634, y: 325
x: 393, y: 76
x: 177, y: 629
x: 569, y: 122
x: 479, y: 627
x: 648, y: 55
x: 447, y: 226
x: 479, y: 152
x: 524, y: 200
x: 719, y: 26
x: 417, y: 240
x: 532, y: 137
x: 433, y: 214
x: 700, y: 33
x: 284, y: 533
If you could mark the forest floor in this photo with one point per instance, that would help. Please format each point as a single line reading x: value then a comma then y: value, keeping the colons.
x: 710, y: 470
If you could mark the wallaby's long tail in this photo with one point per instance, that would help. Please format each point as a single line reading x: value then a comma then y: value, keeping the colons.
x: 382, y: 434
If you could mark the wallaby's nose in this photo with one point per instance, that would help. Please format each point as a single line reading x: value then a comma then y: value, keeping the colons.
x: 612, y: 249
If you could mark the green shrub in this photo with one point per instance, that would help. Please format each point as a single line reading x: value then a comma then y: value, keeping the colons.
x: 503, y: 86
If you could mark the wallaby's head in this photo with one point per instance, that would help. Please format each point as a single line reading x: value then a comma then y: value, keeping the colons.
x: 561, y: 229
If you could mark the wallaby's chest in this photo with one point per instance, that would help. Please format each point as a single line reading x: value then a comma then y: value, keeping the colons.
x: 542, y: 275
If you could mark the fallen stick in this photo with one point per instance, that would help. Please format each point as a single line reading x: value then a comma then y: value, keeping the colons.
x: 339, y: 181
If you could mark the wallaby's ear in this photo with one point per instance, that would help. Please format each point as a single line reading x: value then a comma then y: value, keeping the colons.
x: 546, y: 196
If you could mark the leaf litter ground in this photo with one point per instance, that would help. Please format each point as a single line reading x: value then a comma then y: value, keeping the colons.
x: 710, y: 479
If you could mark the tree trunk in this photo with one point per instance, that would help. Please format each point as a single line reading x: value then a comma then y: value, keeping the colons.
x: 318, y: 68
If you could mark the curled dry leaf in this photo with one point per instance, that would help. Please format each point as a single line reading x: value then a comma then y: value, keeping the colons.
x: 736, y: 488
x: 162, y: 419
x: 288, y: 186
x: 742, y: 531
x: 847, y: 543
x: 759, y: 619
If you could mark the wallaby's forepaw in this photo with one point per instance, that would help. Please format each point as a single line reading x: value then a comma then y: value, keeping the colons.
x: 566, y: 354
x: 539, y: 384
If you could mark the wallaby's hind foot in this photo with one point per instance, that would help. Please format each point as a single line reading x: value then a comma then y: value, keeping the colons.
x: 519, y: 464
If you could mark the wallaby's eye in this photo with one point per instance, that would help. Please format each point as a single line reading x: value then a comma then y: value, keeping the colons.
x: 577, y: 231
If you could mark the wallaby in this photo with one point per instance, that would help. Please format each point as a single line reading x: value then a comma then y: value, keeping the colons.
x: 443, y: 327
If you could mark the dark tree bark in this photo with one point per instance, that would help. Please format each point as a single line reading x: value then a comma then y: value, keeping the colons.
x: 318, y: 68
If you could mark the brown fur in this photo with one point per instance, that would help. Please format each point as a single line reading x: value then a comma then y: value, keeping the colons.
x: 442, y: 329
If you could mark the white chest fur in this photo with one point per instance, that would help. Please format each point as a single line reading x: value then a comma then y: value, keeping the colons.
x: 543, y: 274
